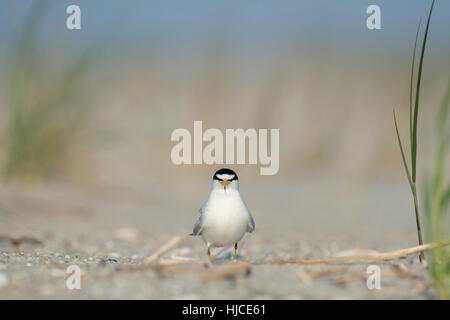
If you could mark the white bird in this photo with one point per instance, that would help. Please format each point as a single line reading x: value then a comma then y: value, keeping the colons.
x: 224, y: 218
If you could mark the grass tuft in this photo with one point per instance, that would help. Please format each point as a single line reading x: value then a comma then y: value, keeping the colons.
x: 413, y: 119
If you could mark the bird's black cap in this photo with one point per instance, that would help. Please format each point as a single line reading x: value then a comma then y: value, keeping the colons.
x: 225, y: 171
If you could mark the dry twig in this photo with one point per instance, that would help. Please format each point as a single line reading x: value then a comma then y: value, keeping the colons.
x: 197, y: 267
x: 229, y: 271
x: 393, y: 255
x: 167, y: 247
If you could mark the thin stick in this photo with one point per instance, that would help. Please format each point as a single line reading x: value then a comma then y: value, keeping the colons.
x: 227, y: 272
x: 171, y: 262
x: 328, y: 272
x: 167, y: 247
x: 393, y: 255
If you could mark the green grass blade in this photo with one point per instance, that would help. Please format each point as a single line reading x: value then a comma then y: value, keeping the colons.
x: 405, y: 164
x: 411, y: 84
x: 416, y: 106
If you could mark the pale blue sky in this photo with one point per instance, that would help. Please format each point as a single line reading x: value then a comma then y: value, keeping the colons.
x: 255, y: 25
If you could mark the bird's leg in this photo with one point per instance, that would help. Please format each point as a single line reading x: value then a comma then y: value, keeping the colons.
x: 209, y: 253
x: 235, y: 251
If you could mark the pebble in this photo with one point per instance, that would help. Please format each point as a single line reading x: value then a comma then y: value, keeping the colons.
x: 58, y: 273
x: 127, y: 234
x: 3, y: 280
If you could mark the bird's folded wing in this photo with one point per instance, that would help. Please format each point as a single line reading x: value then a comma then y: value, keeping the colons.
x: 251, y: 223
x: 198, y: 224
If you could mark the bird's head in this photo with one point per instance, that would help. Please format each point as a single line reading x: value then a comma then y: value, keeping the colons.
x: 225, y: 179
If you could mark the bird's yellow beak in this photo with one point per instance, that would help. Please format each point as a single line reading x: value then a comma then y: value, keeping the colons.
x: 224, y: 182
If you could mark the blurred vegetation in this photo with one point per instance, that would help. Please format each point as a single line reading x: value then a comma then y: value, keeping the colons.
x: 437, y: 201
x: 437, y: 191
x: 46, y: 104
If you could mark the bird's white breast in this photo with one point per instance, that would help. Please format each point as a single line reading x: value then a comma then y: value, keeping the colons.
x: 225, y: 218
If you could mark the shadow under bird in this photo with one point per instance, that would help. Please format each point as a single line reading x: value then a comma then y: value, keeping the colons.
x: 224, y: 218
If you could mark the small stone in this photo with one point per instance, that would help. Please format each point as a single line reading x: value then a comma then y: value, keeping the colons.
x: 58, y: 273
x: 114, y: 255
x: 184, y: 251
x: 3, y: 280
x: 47, y: 290
x: 127, y: 234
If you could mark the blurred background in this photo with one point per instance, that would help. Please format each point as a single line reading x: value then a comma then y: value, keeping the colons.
x: 86, y: 115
